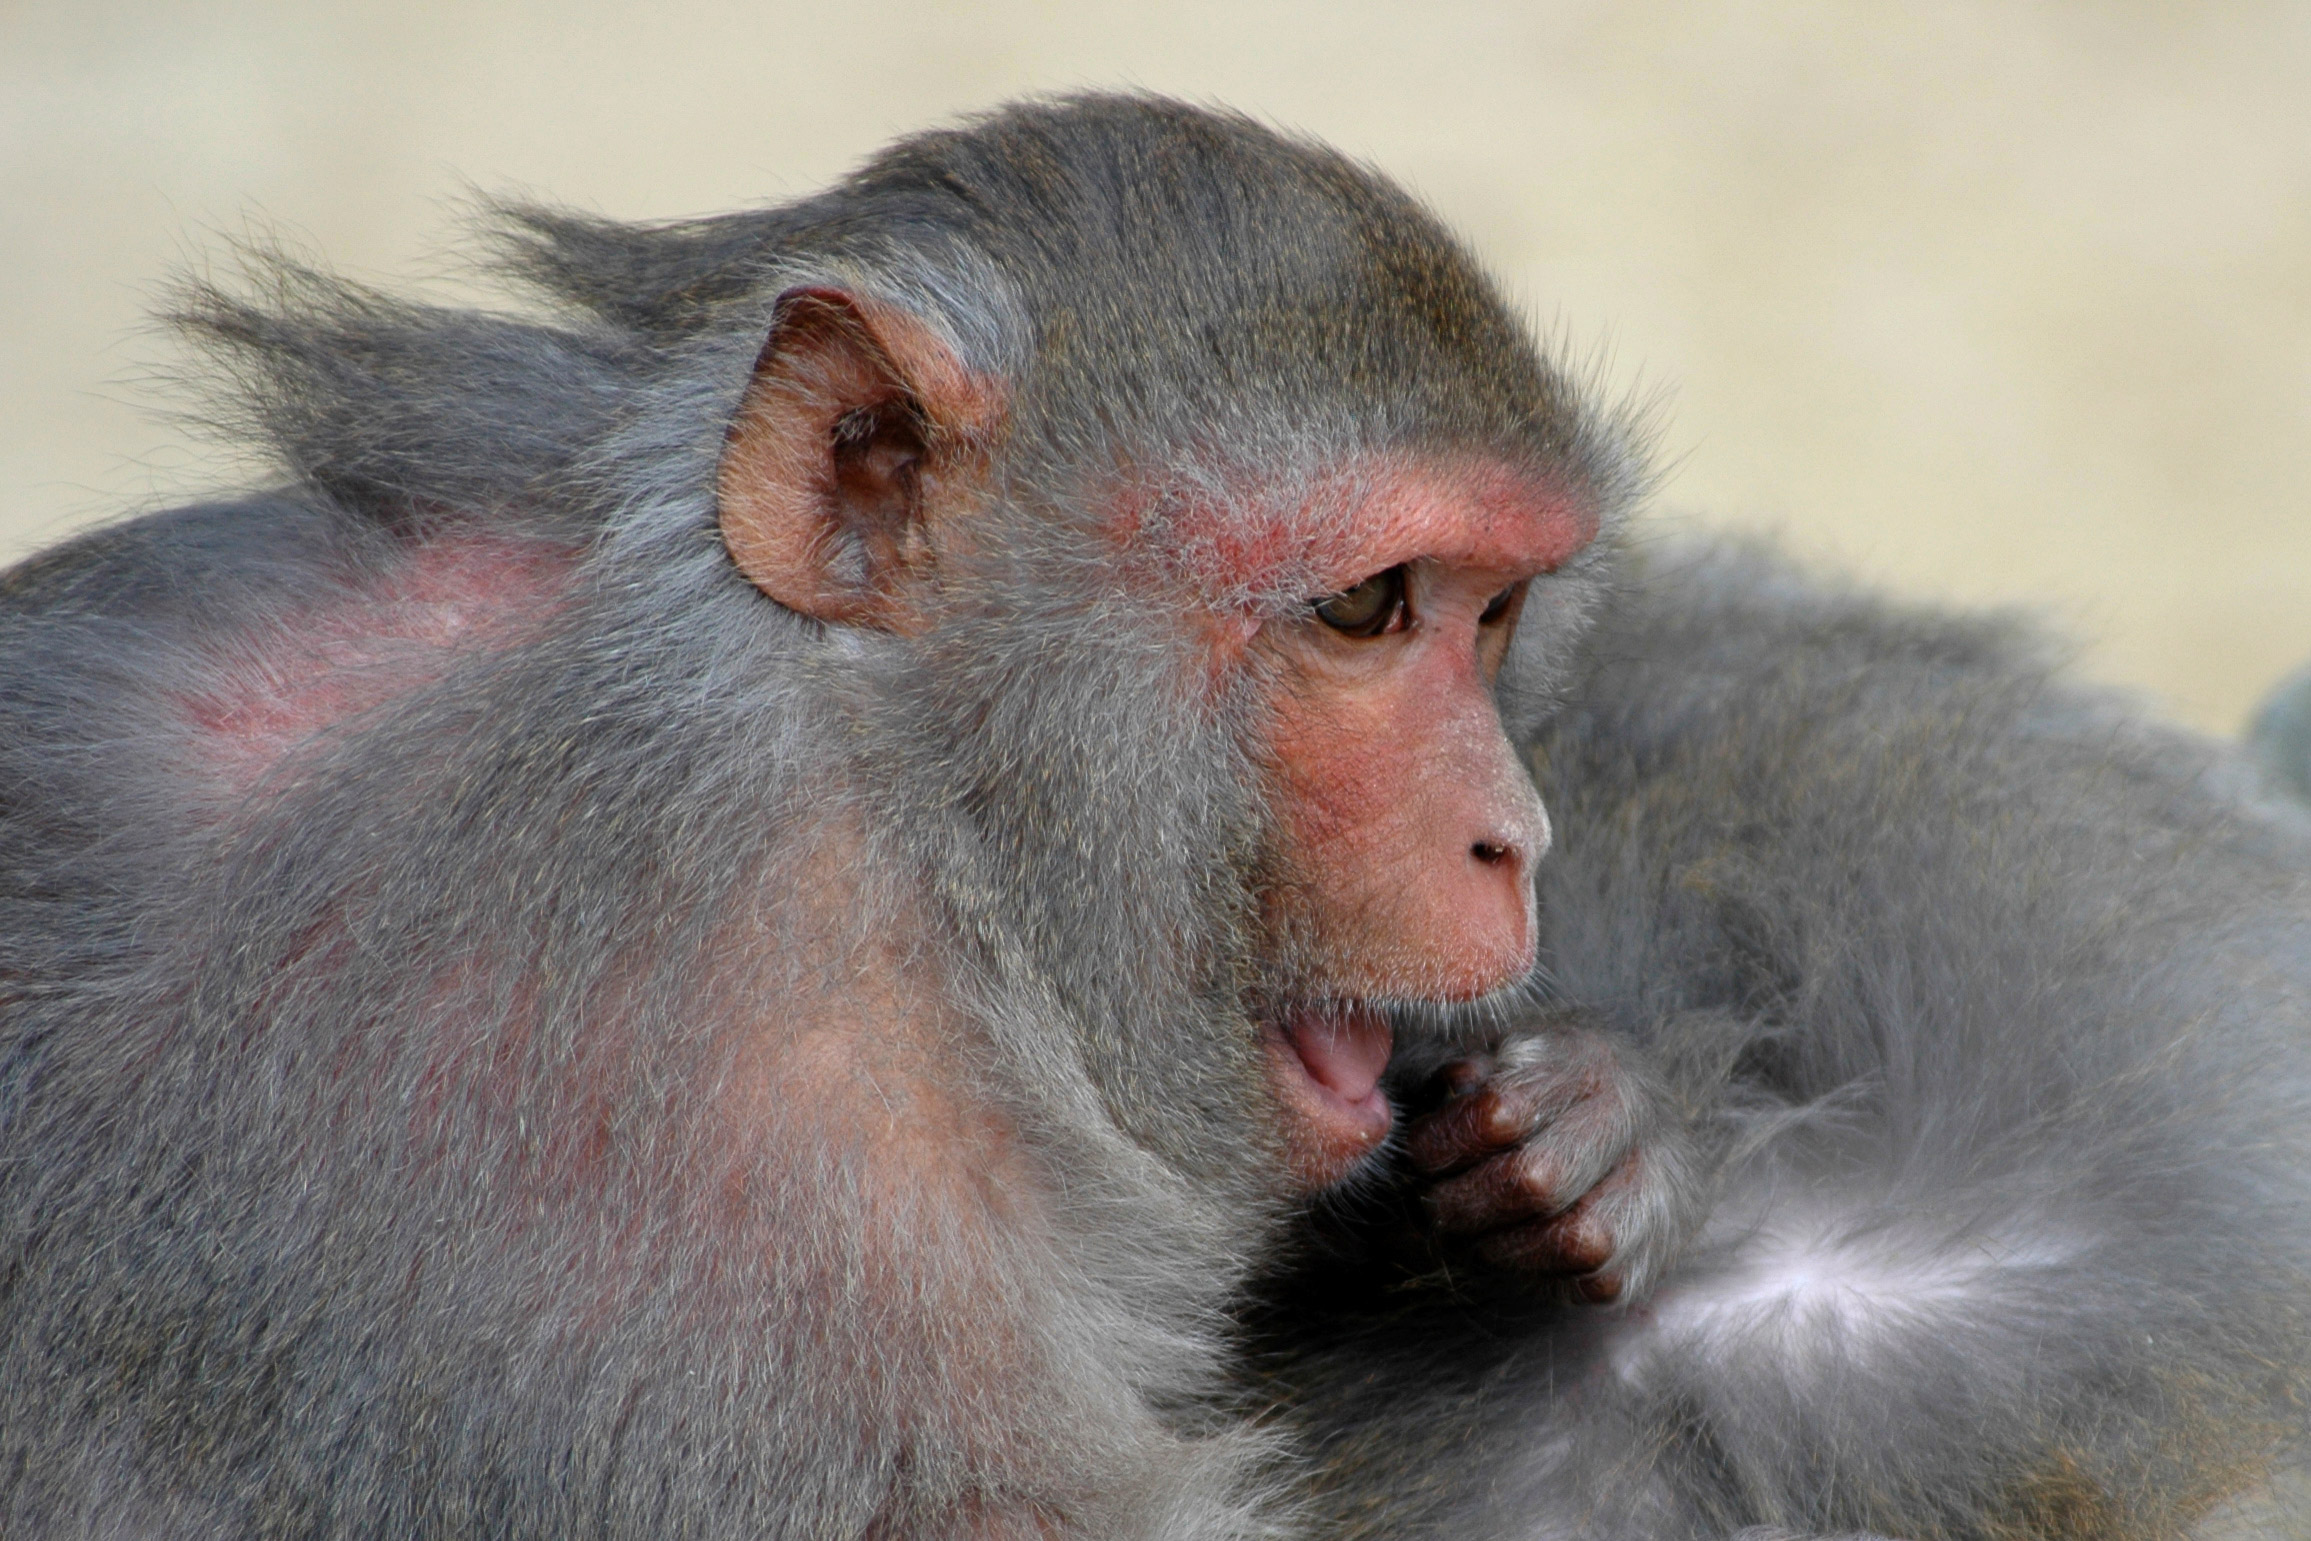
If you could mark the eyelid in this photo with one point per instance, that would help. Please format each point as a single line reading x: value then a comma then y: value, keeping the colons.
x: 1502, y: 603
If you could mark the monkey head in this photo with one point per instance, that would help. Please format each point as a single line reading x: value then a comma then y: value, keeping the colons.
x: 1326, y: 478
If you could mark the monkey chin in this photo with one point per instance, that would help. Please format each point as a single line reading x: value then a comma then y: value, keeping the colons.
x: 1324, y: 1063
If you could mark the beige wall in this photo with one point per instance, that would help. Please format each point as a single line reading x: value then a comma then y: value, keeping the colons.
x: 1994, y: 302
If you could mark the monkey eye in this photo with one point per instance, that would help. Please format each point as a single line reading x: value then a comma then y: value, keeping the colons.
x: 1372, y: 607
x: 1502, y: 603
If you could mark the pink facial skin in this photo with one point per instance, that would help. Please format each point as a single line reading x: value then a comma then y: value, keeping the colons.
x: 1409, y: 827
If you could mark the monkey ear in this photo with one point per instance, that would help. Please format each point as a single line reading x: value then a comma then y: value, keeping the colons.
x: 860, y: 436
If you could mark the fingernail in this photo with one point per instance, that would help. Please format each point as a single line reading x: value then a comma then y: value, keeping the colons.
x: 1599, y: 1289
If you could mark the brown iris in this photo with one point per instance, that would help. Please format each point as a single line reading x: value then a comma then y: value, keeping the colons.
x: 1372, y: 607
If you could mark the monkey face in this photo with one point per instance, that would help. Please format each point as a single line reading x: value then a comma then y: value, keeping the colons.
x: 1406, y: 828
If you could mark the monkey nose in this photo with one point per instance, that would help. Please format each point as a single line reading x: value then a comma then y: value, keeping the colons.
x: 1516, y: 840
x: 1496, y: 888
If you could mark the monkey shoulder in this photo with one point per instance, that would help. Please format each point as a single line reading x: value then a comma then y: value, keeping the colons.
x: 104, y: 640
x: 1801, y: 800
x: 1729, y: 640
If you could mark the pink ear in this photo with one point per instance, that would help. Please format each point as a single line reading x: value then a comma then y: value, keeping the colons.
x: 860, y: 439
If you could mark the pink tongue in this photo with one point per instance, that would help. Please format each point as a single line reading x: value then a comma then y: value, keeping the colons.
x: 1344, y: 1047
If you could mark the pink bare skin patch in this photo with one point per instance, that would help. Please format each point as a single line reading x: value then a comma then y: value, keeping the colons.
x: 1461, y: 513
x: 1406, y: 827
x: 280, y: 685
x: 1257, y: 547
x: 1324, y: 1064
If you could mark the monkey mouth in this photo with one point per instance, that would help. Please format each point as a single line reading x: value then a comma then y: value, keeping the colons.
x: 1325, y: 1061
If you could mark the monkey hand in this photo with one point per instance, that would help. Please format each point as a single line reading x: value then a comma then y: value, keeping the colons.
x: 1551, y: 1157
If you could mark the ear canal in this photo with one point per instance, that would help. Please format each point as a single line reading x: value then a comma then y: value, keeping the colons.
x: 860, y: 438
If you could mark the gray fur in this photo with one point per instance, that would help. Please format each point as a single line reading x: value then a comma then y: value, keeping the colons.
x: 2010, y: 1234
x: 357, y: 1168
x: 2280, y: 737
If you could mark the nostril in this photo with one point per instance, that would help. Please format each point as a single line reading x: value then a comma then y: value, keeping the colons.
x: 1490, y: 854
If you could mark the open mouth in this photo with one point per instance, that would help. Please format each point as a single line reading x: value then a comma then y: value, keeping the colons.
x: 1326, y: 1059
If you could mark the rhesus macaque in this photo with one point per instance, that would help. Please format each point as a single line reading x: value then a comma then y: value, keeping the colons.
x: 735, y: 911
x: 758, y: 907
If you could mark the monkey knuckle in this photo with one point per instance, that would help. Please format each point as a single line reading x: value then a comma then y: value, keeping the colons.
x: 1537, y: 1172
x: 1464, y: 1076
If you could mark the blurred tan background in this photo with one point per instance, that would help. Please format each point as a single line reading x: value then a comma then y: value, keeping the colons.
x: 1987, y: 302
